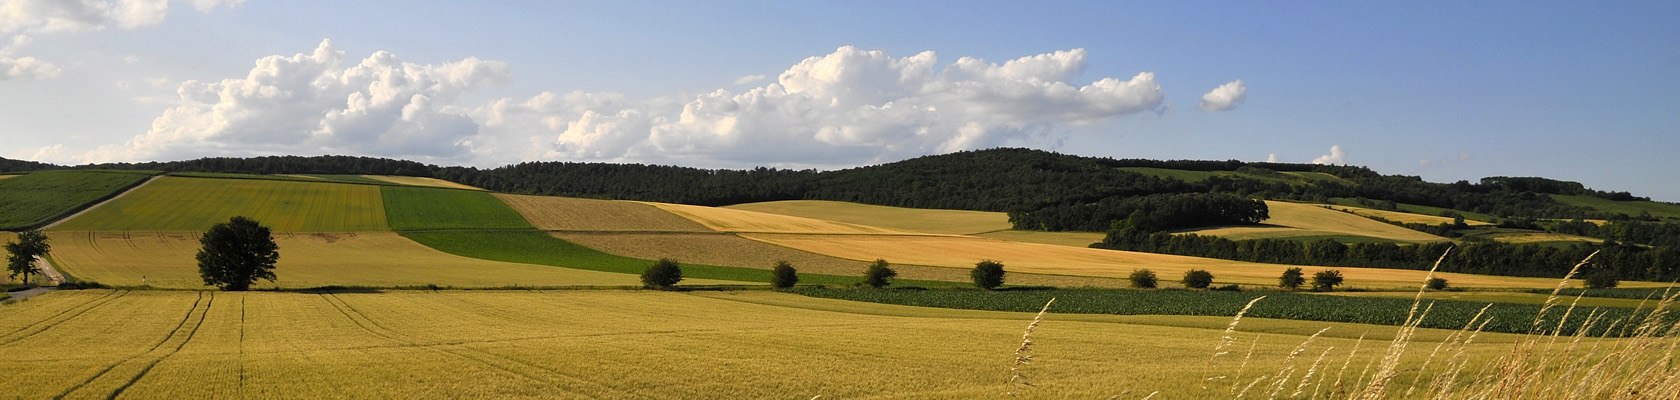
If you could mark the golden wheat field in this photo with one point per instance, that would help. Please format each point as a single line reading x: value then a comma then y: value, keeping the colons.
x: 732, y: 250
x: 963, y: 252
x: 623, y: 344
x: 959, y: 222
x: 1297, y: 219
x: 419, y: 181
x: 166, y: 259
x: 732, y: 220
x: 1404, y: 217
x: 1075, y: 239
x: 575, y: 214
x: 194, y: 204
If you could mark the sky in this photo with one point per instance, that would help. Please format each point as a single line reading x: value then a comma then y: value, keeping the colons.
x: 1583, y: 91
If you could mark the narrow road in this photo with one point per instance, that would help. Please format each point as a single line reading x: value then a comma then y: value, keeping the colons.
x: 102, y: 203
x: 48, y: 270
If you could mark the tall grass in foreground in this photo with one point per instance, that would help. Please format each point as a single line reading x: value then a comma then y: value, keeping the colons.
x: 1544, y: 363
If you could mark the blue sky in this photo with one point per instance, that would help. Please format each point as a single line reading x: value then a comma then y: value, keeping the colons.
x: 1444, y: 90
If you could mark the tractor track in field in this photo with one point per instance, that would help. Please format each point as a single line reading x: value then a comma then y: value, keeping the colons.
x: 38, y: 326
x: 374, y: 328
x: 202, y: 315
x: 172, y: 334
x: 131, y: 189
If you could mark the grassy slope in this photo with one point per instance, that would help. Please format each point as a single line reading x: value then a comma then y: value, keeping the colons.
x: 166, y: 260
x: 1632, y: 208
x: 650, y: 344
x: 195, y: 204
x: 416, y: 208
x: 38, y: 198
x: 906, y: 219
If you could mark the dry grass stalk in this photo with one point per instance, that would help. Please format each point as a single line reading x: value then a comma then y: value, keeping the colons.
x: 1225, y: 340
x: 1288, y: 371
x: 1023, y: 354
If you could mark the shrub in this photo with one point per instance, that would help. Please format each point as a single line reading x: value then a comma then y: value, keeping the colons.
x: 1436, y: 284
x: 784, y: 276
x: 662, y: 274
x: 1197, y: 279
x: 1228, y: 288
x: 1602, y: 279
x: 879, y: 274
x: 1143, y: 278
x: 1292, y: 279
x: 78, y: 285
x: 987, y: 274
x: 1326, y: 280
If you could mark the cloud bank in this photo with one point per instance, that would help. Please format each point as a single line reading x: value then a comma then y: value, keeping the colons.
x: 1226, y: 97
x: 847, y: 107
x: 1337, y: 156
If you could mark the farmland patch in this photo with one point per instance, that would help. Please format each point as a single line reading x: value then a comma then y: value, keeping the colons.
x: 37, y: 198
x: 418, y: 208
x: 575, y: 214
x: 194, y: 204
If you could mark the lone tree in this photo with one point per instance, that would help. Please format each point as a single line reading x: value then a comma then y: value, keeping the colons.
x: 663, y: 274
x: 1436, y: 283
x: 1292, y: 279
x: 784, y: 276
x: 1198, y: 279
x: 1326, y: 280
x: 236, y: 254
x: 1143, y: 278
x: 987, y: 274
x: 30, y: 244
x: 1602, y: 279
x: 879, y: 274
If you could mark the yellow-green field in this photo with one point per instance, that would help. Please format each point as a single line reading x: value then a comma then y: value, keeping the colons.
x: 1542, y: 237
x: 1297, y: 220
x: 732, y: 220
x: 195, y: 204
x: 166, y: 259
x: 1404, y: 217
x: 905, y: 219
x: 619, y: 344
x: 419, y: 181
x: 590, y: 215
x: 3, y: 177
x: 732, y: 250
x: 963, y: 252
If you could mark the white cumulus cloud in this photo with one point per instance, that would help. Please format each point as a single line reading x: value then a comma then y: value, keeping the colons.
x: 1337, y: 156
x: 315, y: 102
x: 846, y: 107
x: 25, y: 68
x: 1225, y: 97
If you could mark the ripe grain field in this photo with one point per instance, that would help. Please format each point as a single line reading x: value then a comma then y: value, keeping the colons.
x: 590, y: 344
x: 173, y: 203
x: 165, y: 259
x: 591, y: 215
x: 1299, y: 219
x: 958, y: 222
x: 743, y: 221
x: 1404, y: 217
x: 418, y: 181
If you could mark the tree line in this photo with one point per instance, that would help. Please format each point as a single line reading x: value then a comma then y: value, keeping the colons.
x: 1488, y: 258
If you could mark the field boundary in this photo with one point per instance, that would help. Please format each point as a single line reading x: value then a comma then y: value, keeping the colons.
x: 77, y: 211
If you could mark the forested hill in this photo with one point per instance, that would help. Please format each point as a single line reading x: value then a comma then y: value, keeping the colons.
x: 1019, y: 180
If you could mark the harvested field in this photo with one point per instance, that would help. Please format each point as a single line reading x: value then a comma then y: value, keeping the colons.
x: 1404, y: 217
x: 1075, y: 239
x: 1063, y: 260
x: 419, y: 181
x: 575, y: 214
x: 731, y: 220
x: 165, y: 259
x: 560, y: 344
x: 958, y: 222
x: 732, y: 250
x: 194, y: 204
x: 1297, y: 219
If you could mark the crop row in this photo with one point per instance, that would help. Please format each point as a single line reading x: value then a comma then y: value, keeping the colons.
x: 1446, y: 314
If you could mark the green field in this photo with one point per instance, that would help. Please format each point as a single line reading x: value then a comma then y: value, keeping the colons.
x: 1377, y: 310
x: 1631, y: 208
x: 537, y: 247
x: 419, y: 208
x: 35, y: 199
x: 173, y: 203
